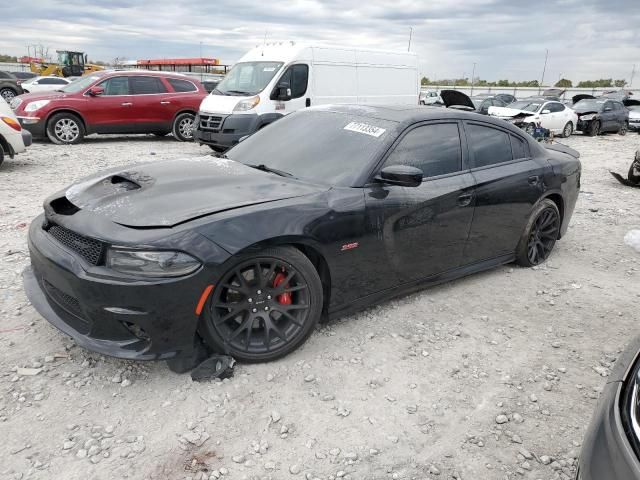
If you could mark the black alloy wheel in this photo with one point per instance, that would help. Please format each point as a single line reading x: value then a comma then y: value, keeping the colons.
x: 264, y: 306
x: 540, y: 236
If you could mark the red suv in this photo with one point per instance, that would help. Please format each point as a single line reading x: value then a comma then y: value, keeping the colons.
x: 113, y: 102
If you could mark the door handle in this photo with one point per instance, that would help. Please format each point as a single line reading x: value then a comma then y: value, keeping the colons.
x: 165, y: 102
x: 464, y: 200
x: 534, y: 180
x: 127, y: 104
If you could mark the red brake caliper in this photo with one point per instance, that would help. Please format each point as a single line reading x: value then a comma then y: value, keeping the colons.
x: 283, y: 298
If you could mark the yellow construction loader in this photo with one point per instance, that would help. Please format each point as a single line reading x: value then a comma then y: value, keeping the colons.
x: 70, y: 64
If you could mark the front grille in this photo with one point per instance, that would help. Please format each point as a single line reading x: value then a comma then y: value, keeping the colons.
x: 88, y: 248
x: 64, y: 300
x: 210, y: 122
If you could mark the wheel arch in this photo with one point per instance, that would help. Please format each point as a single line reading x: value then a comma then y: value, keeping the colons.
x: 556, y: 198
x: 66, y: 110
x: 308, y: 248
x: 184, y: 110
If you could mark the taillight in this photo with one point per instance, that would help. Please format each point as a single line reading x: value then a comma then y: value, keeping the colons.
x: 13, y: 123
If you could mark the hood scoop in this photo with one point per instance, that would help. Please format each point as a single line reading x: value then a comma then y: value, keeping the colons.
x: 123, y: 183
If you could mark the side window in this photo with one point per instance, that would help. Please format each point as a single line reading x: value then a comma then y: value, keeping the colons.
x: 146, y: 85
x: 518, y: 148
x: 297, y: 77
x: 555, y: 107
x: 115, y: 86
x: 607, y: 105
x: 435, y: 149
x: 488, y: 145
x: 182, y: 85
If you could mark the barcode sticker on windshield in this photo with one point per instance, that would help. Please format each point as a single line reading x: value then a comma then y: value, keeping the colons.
x: 365, y: 128
x: 268, y: 69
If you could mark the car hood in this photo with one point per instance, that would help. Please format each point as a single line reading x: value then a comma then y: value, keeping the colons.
x: 454, y: 98
x: 49, y: 95
x: 223, y: 104
x: 165, y: 194
x: 506, y: 112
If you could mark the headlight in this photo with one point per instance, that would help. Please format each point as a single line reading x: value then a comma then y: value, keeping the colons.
x: 248, y: 104
x: 588, y: 117
x: 33, y: 106
x: 149, y: 263
x: 15, y: 103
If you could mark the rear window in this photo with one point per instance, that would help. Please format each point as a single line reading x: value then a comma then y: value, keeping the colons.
x: 146, y: 85
x: 489, y: 145
x: 182, y: 85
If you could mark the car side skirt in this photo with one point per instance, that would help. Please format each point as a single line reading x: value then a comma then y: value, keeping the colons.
x: 416, y: 285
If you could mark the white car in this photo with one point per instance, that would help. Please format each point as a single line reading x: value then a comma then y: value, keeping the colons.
x: 44, y: 84
x: 13, y: 139
x: 429, y: 98
x: 634, y: 117
x: 530, y: 113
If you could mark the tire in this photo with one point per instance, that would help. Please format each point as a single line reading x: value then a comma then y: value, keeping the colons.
x: 217, y: 148
x: 261, y: 317
x: 1, y: 155
x: 623, y: 129
x: 183, y: 127
x: 65, y: 129
x: 8, y: 93
x: 594, y: 128
x: 540, y: 234
x: 567, y: 131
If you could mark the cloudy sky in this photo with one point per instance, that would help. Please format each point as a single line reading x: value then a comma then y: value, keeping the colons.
x: 505, y: 38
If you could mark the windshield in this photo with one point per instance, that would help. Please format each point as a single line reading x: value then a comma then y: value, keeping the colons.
x: 79, y: 84
x: 526, y: 106
x: 589, y: 104
x: 247, y: 78
x: 320, y: 146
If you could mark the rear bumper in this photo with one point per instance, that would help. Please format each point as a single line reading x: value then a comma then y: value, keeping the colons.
x: 27, y: 138
x: 138, y: 320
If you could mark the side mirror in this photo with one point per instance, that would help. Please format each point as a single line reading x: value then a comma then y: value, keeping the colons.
x: 96, y: 91
x: 401, y: 175
x: 545, y: 111
x: 284, y: 91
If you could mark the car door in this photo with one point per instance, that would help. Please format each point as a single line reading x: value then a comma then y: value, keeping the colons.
x: 421, y: 231
x: 151, y: 107
x: 508, y: 183
x: 608, y: 117
x: 559, y: 116
x: 109, y: 112
x: 296, y: 80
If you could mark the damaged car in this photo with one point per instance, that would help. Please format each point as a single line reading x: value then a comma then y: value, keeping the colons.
x: 634, y: 114
x: 539, y: 112
x: 600, y: 115
x: 458, y: 100
x: 633, y: 175
x: 247, y: 252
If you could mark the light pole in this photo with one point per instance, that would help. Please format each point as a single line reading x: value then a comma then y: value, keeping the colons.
x: 544, y: 69
x: 473, y: 73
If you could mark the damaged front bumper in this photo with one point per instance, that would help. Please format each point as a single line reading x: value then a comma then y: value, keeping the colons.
x: 129, y: 319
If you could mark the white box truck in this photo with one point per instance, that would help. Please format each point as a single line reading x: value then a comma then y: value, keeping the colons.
x: 273, y: 80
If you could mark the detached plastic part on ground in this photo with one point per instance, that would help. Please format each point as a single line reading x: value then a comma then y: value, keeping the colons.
x: 633, y: 177
x: 204, y: 364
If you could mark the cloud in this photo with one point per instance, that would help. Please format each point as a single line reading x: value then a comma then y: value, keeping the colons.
x: 506, y: 39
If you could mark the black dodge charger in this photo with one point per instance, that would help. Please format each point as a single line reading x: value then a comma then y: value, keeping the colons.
x: 322, y: 213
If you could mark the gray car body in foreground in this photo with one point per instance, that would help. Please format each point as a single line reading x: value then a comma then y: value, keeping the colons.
x: 606, y: 450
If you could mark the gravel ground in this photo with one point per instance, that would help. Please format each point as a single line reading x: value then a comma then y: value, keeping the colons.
x: 490, y: 377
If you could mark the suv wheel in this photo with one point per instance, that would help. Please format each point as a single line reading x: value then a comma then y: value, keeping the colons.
x: 65, y: 129
x: 8, y: 93
x: 183, y: 127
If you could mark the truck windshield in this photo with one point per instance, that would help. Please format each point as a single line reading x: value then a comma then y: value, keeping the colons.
x: 317, y: 145
x: 247, y: 78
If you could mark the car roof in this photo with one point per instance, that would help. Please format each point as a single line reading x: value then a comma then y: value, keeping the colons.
x: 409, y: 114
x: 154, y: 73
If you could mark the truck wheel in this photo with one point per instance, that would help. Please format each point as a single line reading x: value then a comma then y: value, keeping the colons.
x: 8, y: 94
x: 183, y: 127
x: 65, y: 129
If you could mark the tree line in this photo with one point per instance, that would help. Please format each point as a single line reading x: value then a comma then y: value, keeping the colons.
x: 562, y: 83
